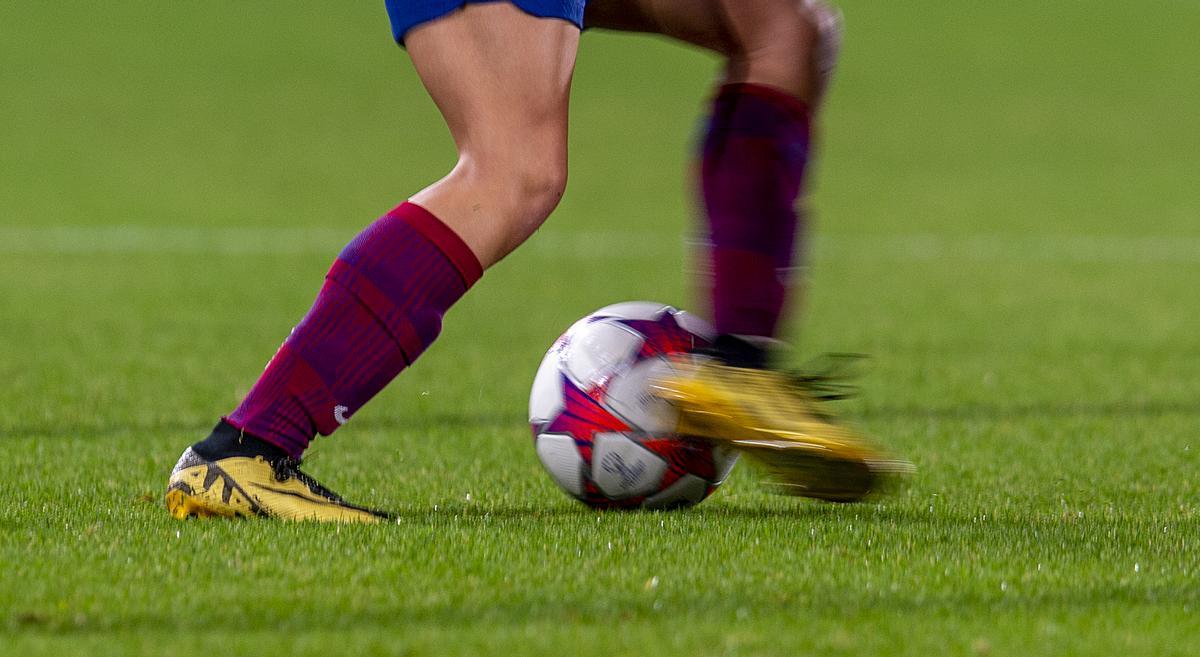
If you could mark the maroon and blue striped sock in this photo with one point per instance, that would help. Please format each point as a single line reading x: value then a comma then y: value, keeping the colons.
x: 381, y: 306
x: 752, y: 169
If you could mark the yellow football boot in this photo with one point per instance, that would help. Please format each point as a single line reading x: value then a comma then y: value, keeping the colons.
x: 777, y: 423
x: 241, y: 487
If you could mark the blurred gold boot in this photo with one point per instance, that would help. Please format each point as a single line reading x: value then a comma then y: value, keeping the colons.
x: 780, y: 425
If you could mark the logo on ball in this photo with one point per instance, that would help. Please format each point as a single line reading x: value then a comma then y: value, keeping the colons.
x: 629, y: 474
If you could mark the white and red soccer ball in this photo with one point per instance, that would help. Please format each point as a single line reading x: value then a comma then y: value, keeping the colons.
x: 599, y: 432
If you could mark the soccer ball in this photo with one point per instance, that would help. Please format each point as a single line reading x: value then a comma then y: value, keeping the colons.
x: 599, y: 432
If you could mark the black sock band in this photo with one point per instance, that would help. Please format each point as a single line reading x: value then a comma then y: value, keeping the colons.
x: 739, y: 352
x: 227, y: 440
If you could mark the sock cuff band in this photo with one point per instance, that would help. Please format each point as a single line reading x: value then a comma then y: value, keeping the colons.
x: 778, y: 97
x: 443, y: 237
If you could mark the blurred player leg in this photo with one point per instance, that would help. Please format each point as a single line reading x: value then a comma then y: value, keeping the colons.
x: 756, y: 146
x: 501, y: 79
x: 779, y: 55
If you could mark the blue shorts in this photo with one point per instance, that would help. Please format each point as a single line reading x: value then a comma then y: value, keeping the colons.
x: 407, y: 14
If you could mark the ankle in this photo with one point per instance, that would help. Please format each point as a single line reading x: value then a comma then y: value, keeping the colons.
x: 227, y: 441
x: 743, y: 350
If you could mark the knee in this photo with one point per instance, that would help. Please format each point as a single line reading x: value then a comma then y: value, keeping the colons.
x: 538, y: 186
x: 526, y: 187
x: 781, y: 52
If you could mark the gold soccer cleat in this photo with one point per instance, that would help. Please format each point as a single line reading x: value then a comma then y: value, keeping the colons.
x: 239, y: 486
x: 776, y: 422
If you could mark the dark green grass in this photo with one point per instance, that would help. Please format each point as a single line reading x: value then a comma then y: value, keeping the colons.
x: 1007, y: 222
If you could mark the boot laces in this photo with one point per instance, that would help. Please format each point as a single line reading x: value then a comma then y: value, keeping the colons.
x: 289, y: 468
x: 828, y: 377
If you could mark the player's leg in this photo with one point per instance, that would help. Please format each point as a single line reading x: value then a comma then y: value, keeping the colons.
x: 755, y: 151
x: 753, y: 160
x: 504, y: 97
x: 501, y: 79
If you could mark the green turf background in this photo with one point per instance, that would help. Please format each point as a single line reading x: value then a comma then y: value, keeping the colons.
x: 1007, y: 214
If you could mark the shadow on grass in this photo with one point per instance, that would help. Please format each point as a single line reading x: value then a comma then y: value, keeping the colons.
x: 705, y: 512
